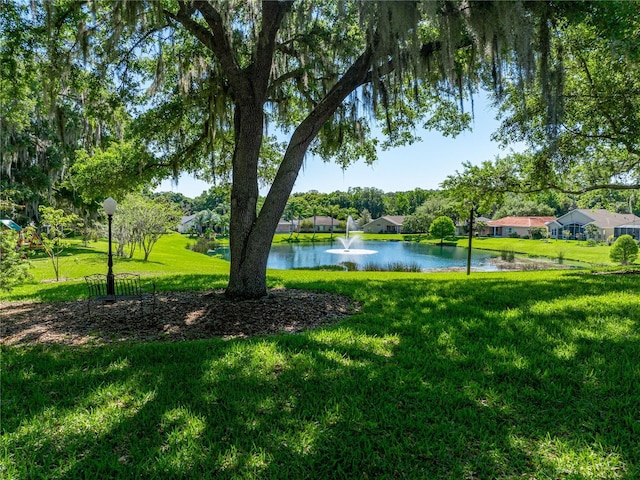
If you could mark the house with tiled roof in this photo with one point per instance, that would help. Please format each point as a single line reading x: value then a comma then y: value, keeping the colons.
x: 516, y: 226
x: 386, y: 224
x: 572, y: 225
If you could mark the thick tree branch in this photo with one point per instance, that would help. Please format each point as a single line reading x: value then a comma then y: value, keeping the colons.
x: 304, y: 135
x: 214, y: 39
x: 272, y: 14
x: 520, y: 188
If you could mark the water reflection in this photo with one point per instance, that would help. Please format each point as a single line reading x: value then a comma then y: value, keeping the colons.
x: 288, y: 256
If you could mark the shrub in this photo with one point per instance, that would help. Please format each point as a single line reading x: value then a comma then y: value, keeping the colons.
x: 508, y: 255
x: 537, y: 233
x: 203, y: 245
x: 306, y: 226
x: 391, y: 267
x: 350, y: 266
x: 331, y: 268
x: 403, y: 267
x: 624, y: 250
x: 591, y: 242
x: 441, y: 228
x: 13, y: 269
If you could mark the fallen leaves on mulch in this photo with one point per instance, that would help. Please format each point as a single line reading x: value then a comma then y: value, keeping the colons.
x: 176, y: 316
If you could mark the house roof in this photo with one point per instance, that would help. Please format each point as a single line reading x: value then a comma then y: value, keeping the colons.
x: 11, y: 224
x: 527, y: 222
x: 605, y: 218
x: 394, y: 219
x: 323, y: 220
x: 397, y: 219
x: 187, y: 219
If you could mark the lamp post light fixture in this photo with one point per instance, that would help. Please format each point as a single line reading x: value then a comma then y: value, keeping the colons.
x: 110, y: 206
x: 470, y: 236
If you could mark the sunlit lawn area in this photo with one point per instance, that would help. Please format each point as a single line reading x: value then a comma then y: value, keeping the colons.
x: 575, y: 250
x: 443, y: 376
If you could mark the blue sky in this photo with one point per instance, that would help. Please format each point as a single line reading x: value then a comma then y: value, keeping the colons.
x: 424, y: 164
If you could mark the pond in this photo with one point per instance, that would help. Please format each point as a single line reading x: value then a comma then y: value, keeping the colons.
x: 288, y: 256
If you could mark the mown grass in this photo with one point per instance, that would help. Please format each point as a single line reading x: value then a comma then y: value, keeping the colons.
x: 573, y: 250
x: 169, y: 262
x: 443, y: 376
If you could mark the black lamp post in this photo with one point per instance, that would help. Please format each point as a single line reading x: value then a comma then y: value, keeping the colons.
x: 470, y: 237
x: 110, y: 208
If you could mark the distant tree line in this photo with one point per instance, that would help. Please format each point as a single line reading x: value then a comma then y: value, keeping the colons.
x: 420, y: 207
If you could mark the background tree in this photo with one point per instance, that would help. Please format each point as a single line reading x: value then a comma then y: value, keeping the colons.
x: 365, y: 217
x: 479, y: 226
x: 53, y: 234
x: 212, y: 199
x: 314, y: 211
x: 14, y: 269
x: 624, y: 251
x: 51, y: 105
x: 537, y: 233
x: 519, y: 206
x: 333, y: 212
x: 141, y: 221
x: 370, y: 199
x: 418, y: 222
x: 588, y: 138
x: 296, y: 208
x: 108, y: 172
x: 591, y: 230
x: 440, y: 204
x: 441, y: 228
x: 158, y: 219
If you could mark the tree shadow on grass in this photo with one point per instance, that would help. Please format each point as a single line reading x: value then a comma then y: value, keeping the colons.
x: 481, y: 379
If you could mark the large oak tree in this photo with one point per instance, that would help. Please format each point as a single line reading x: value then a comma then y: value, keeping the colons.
x: 218, y: 76
x: 592, y: 143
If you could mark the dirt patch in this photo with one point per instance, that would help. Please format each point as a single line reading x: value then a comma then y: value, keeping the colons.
x: 177, y: 316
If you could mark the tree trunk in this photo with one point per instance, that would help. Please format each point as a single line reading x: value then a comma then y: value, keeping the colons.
x: 249, y: 247
x: 251, y: 234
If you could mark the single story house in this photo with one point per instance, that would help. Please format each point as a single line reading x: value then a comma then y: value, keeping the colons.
x: 386, y: 224
x: 516, y: 226
x: 286, y: 226
x: 186, y: 223
x: 323, y: 224
x: 572, y: 224
x: 462, y: 229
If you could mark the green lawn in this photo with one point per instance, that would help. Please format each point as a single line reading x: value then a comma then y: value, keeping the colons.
x: 573, y: 250
x: 493, y: 376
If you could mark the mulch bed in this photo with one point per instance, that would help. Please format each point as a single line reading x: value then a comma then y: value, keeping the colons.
x: 178, y: 316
